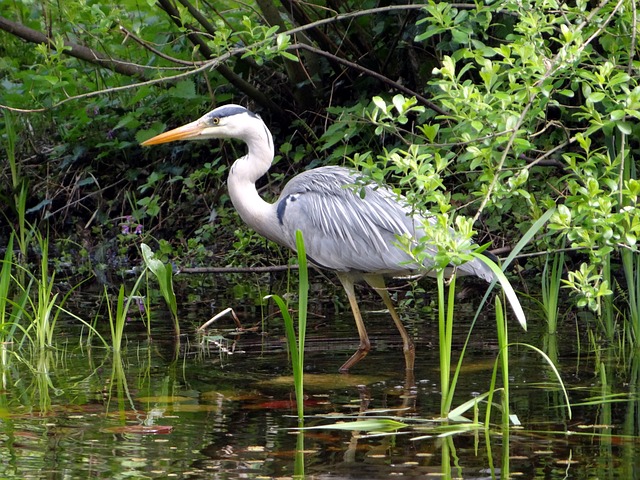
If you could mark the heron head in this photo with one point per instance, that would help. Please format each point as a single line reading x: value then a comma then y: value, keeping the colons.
x: 228, y: 121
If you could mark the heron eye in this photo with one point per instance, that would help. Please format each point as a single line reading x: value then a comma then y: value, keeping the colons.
x: 215, y: 120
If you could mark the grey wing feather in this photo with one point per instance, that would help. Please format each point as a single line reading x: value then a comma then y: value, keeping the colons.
x: 345, y: 231
x: 342, y: 230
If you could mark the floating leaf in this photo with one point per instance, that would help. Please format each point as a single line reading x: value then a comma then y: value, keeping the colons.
x: 369, y: 425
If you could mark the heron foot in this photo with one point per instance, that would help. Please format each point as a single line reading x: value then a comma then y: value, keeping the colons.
x: 362, y: 352
x: 409, y: 356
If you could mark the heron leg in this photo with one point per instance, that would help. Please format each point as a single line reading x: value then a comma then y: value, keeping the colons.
x: 364, y: 347
x: 378, y: 284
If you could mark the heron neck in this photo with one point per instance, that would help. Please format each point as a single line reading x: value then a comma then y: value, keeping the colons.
x: 257, y: 213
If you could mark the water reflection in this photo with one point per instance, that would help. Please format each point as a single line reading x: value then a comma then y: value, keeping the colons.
x: 208, y: 412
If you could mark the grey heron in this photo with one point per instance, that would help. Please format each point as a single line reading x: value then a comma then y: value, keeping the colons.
x: 352, y: 234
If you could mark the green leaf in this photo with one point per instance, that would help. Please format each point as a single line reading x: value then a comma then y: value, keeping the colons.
x: 430, y: 131
x: 289, y: 56
x: 398, y: 102
x: 164, y: 275
x: 185, y: 89
x: 380, y: 103
x: 625, y: 127
x: 509, y: 292
x: 456, y: 413
x: 370, y: 425
x: 617, y: 115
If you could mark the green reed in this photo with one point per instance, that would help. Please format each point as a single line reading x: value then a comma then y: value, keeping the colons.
x: 631, y: 267
x: 445, y: 339
x: 446, y: 315
x: 551, y: 283
x: 24, y: 232
x: 44, y: 311
x: 118, y: 318
x: 5, y: 289
x: 608, y: 314
x: 296, y: 344
x: 510, y: 296
x: 503, y: 347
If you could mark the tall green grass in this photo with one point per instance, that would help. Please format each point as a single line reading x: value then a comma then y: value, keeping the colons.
x: 5, y: 291
x: 29, y: 303
x: 631, y: 267
x: 23, y: 231
x: 447, y: 318
x: 296, y: 342
x: 118, y: 316
x: 445, y: 338
x: 39, y: 310
x: 551, y: 283
x: 607, y: 313
x: 446, y: 315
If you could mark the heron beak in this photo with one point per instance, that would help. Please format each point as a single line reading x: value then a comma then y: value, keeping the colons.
x: 186, y: 132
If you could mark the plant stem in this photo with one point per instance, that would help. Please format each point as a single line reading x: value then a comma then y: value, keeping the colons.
x: 445, y: 333
x: 303, y: 296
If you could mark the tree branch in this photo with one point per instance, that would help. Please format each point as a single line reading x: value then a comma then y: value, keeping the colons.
x: 78, y: 51
x: 371, y: 73
x: 225, y: 71
x: 273, y: 268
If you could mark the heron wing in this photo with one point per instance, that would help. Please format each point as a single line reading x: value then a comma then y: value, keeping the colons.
x: 346, y: 226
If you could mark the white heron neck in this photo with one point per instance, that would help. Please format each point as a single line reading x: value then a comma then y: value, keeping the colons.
x: 245, y: 171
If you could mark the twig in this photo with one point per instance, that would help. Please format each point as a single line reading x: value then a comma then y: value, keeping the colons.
x: 217, y: 316
x: 213, y: 63
x: 155, y: 51
x: 371, y: 73
x: 209, y: 65
x: 272, y: 268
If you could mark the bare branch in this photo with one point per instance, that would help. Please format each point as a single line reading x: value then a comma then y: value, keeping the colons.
x: 273, y: 268
x: 371, y: 73
x: 206, y: 66
x: 155, y: 51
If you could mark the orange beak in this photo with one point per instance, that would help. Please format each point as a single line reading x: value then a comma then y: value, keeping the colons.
x: 186, y: 132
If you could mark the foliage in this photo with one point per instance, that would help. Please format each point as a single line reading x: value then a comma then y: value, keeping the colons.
x: 487, y: 115
x: 525, y: 96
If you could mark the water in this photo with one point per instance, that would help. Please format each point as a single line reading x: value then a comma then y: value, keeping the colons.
x: 222, y: 405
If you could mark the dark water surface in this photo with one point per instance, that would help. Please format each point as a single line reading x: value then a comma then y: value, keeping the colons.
x: 222, y: 406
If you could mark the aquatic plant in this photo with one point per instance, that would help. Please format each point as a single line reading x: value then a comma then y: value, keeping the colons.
x: 446, y: 311
x: 164, y: 274
x: 551, y: 283
x: 43, y: 312
x: 296, y: 342
x: 118, y: 318
x: 22, y: 230
x: 631, y: 267
x: 507, y: 290
x: 5, y: 288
